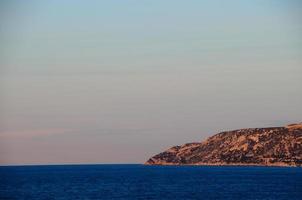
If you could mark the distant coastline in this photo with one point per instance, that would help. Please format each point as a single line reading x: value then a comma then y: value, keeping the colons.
x: 273, y: 146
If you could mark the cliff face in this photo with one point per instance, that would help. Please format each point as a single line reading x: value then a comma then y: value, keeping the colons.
x: 274, y: 146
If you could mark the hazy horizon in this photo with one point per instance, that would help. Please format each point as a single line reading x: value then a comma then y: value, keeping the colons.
x: 117, y: 82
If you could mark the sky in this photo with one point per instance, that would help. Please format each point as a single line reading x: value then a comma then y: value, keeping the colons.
x: 119, y: 81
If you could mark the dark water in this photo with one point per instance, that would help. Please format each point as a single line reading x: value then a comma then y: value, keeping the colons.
x: 149, y: 182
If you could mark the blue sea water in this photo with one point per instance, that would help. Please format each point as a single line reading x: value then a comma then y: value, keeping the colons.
x: 149, y: 182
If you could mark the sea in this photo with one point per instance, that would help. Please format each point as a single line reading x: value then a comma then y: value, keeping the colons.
x: 134, y: 181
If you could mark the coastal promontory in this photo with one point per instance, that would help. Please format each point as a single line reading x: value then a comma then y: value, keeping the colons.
x: 272, y: 146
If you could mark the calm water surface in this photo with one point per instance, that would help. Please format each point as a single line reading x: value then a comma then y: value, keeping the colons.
x: 149, y: 182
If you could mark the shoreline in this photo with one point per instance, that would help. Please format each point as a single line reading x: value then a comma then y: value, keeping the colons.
x: 225, y: 165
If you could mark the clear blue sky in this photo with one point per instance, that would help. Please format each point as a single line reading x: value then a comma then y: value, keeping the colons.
x: 118, y: 81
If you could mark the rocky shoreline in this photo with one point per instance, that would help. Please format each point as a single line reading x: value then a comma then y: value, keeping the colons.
x: 273, y: 146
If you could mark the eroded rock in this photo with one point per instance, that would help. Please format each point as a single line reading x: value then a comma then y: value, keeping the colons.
x: 273, y: 146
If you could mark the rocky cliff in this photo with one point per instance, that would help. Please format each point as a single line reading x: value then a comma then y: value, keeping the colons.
x: 274, y: 146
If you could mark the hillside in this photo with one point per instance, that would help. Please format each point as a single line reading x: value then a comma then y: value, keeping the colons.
x: 273, y: 146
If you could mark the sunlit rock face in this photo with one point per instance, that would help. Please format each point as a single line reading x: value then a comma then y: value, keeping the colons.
x: 273, y: 146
